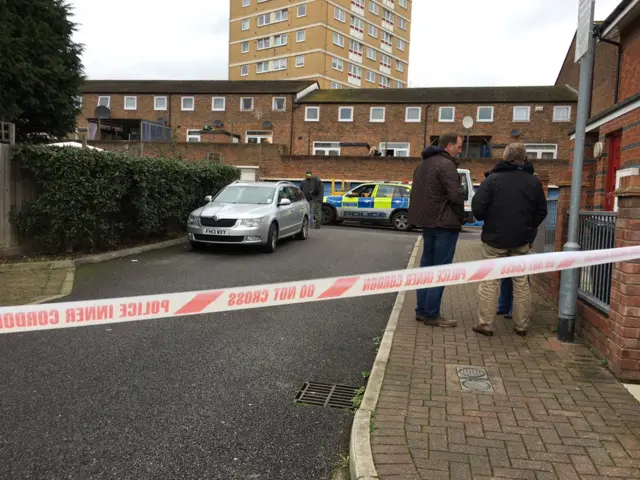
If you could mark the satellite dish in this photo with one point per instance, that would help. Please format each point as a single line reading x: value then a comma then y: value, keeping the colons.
x: 515, y: 133
x: 267, y: 124
x: 467, y: 122
x: 218, y: 123
x: 102, y: 113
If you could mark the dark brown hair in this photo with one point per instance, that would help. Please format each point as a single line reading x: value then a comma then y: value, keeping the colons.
x: 447, y: 138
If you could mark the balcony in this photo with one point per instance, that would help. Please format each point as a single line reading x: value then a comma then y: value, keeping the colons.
x: 387, y: 25
x: 385, y: 70
x: 357, y: 7
x: 390, y: 4
x: 386, y: 47
x: 357, y: 33
x: 355, y: 57
x: 355, y: 81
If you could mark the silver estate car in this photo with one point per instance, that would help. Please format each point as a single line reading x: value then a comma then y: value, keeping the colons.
x: 252, y: 213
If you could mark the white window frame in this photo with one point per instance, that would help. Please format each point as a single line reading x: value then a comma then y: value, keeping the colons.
x: 396, y: 146
x: 213, y: 104
x: 245, y: 24
x: 306, y: 114
x: 372, y: 30
x: 338, y: 63
x: 303, y: 9
x: 385, y: 82
x: 340, y: 38
x: 304, y: 36
x: 538, y: 149
x: 335, y: 86
x: 244, y: 70
x: 374, y: 8
x: 340, y: 14
x: 340, y: 110
x: 244, y: 47
x: 334, y: 146
x: 189, y: 135
x: 481, y: 120
x: 445, y: 120
x: 413, y: 120
x: 399, y: 84
x: 135, y: 102
x: 403, y: 3
x: 371, y: 54
x: 246, y: 3
x: 373, y: 120
x: 522, y: 107
x: 108, y: 105
x: 399, y: 66
x: 402, y: 23
x: 402, y: 45
x: 299, y: 61
x: 562, y: 120
x: 370, y: 76
x: 183, y: 108
x: 259, y: 135
x: 242, y: 99
x: 155, y: 103
x: 284, y: 105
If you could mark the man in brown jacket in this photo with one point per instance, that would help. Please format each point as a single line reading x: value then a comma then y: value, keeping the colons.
x: 437, y: 205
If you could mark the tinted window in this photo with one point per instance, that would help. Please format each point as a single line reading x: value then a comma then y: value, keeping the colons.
x: 464, y: 186
x: 291, y: 194
x: 298, y: 193
x: 402, y: 192
x: 384, y: 191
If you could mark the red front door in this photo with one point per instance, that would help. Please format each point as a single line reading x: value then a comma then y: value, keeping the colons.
x: 615, y: 142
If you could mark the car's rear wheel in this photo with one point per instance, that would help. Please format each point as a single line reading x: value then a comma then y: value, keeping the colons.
x: 197, y: 246
x: 400, y: 221
x: 303, y: 234
x: 272, y: 239
x: 328, y: 215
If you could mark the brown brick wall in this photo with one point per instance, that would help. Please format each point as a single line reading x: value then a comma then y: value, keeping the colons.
x: 630, y: 68
x: 541, y: 128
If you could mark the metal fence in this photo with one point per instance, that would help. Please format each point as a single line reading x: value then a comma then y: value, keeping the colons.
x: 596, y: 231
x: 550, y: 224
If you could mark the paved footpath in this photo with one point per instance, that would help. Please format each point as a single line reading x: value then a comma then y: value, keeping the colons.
x: 555, y: 412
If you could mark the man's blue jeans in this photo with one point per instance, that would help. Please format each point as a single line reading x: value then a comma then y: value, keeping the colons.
x: 505, y: 302
x: 439, y: 248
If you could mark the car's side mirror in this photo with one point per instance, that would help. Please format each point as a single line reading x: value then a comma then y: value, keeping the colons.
x: 284, y: 202
x: 208, y: 198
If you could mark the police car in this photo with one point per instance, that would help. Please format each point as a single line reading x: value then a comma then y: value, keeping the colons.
x: 385, y: 203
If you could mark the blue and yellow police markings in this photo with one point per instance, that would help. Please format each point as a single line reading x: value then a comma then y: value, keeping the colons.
x: 370, y: 207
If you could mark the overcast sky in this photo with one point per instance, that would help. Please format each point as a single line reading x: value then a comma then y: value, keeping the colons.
x: 453, y: 42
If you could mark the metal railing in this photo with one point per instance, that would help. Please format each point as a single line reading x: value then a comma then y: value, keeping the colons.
x: 596, y: 231
x: 550, y: 225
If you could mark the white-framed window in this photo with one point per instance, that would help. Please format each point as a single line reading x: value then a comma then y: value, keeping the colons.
x: 301, y: 36
x: 258, y: 136
x: 218, y: 104
x: 280, y: 40
x: 130, y: 103
x: 373, y: 8
x: 244, y: 47
x: 279, y: 104
x: 159, y: 103
x: 262, y: 67
x: 188, y: 104
x: 338, y: 39
x: 521, y: 114
x: 485, y: 114
x: 376, y: 114
x: 387, y: 39
x: 326, y: 148
x: 355, y: 47
x: 263, y: 43
x: 299, y: 61
x: 388, y: 15
x: 539, y: 151
x: 339, y: 14
x: 355, y: 71
x: 373, y: 31
x: 562, y: 113
x: 384, y: 82
x: 399, y: 84
x: 264, y: 19
x: 281, y: 15
x: 280, y: 64
x: 403, y: 3
x: 345, y: 114
x: 395, y: 149
x: 402, y: 45
x: 371, y: 77
x: 245, y: 24
x: 246, y: 104
x: 413, y: 115
x: 399, y: 66
x: 246, y: 3
x: 193, y: 136
x: 402, y: 23
x: 371, y: 53
x: 302, y: 11
x: 337, y: 64
x: 385, y: 60
x: 447, y: 114
x: 335, y: 86
x: 244, y: 70
x: 312, y: 114
x: 357, y: 24
x: 104, y: 101
x: 78, y: 101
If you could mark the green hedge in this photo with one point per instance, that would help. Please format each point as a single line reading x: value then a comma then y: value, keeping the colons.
x: 90, y: 200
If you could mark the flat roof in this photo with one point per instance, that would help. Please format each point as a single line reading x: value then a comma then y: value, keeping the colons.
x: 195, y: 86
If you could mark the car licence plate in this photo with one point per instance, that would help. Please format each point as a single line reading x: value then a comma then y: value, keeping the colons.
x: 215, y: 231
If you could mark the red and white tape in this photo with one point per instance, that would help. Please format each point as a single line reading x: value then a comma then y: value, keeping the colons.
x: 28, y: 318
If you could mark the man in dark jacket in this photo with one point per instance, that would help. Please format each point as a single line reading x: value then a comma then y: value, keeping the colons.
x: 313, y: 190
x: 437, y: 205
x: 512, y: 204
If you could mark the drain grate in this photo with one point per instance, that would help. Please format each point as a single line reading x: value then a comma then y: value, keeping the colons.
x: 474, y: 379
x: 326, y: 395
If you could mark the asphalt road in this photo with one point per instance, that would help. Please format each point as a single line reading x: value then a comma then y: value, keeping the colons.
x: 203, y: 397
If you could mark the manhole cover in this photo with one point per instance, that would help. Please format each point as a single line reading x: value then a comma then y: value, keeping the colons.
x: 468, y: 372
x: 474, y: 379
x: 326, y: 395
x: 477, y: 385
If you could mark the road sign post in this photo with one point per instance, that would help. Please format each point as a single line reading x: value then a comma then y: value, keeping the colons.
x: 585, y: 54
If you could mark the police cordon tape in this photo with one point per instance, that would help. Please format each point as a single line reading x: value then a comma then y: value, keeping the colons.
x: 29, y: 318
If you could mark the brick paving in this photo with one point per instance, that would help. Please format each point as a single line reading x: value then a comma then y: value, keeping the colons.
x: 20, y: 287
x: 555, y: 412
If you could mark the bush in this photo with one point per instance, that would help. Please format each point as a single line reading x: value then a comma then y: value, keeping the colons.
x: 90, y: 200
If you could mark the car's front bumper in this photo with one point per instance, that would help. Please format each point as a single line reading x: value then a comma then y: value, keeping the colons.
x: 233, y: 235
